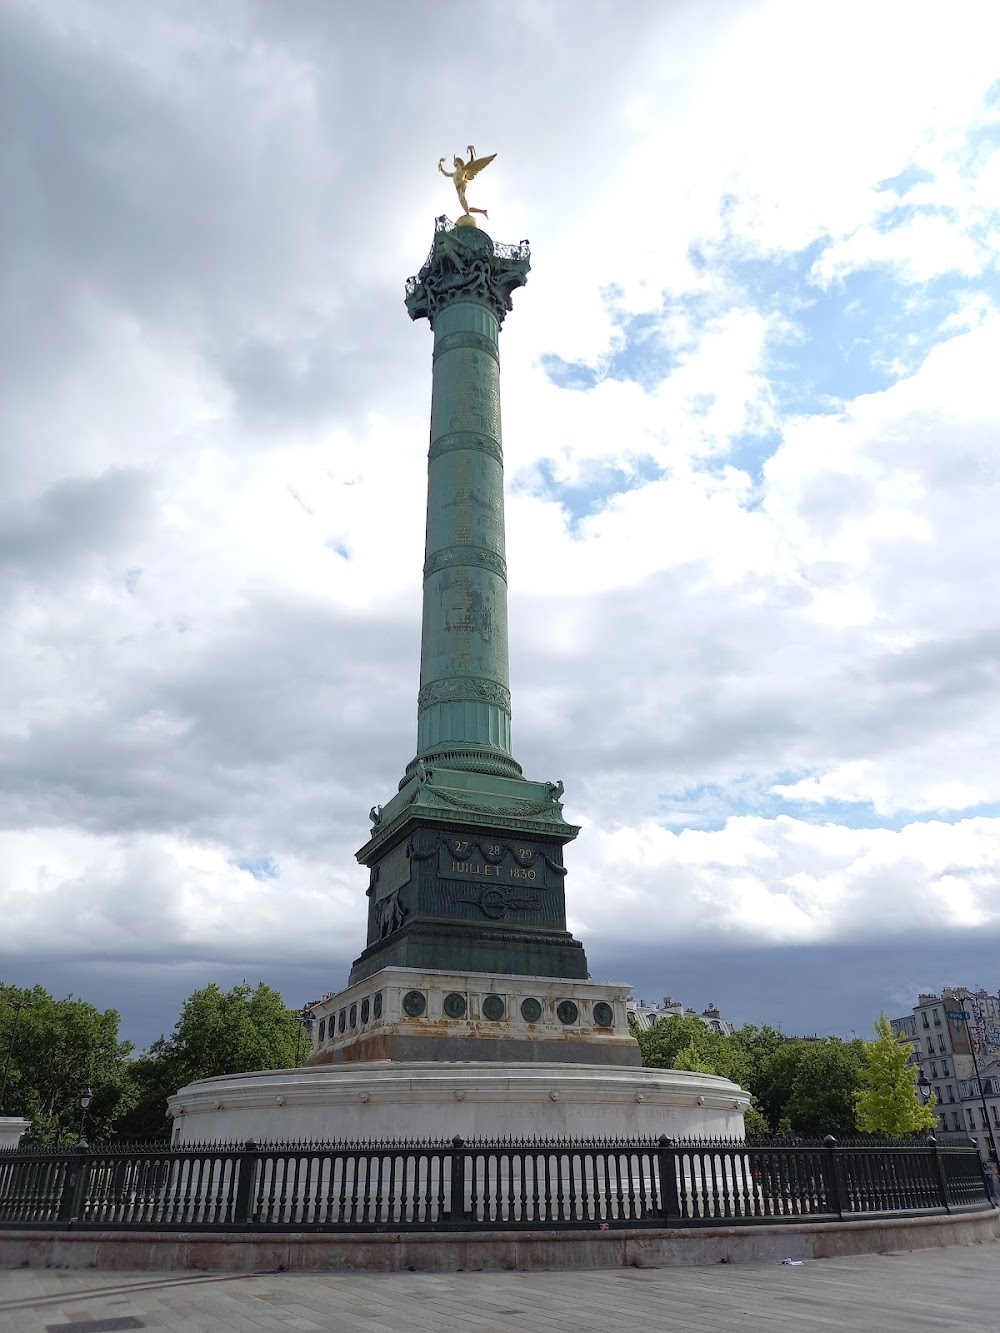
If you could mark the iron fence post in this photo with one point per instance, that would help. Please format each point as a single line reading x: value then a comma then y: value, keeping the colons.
x: 458, y: 1158
x: 982, y: 1169
x: 836, y: 1180
x: 246, y: 1167
x: 669, y: 1199
x: 942, y: 1174
x: 74, y: 1183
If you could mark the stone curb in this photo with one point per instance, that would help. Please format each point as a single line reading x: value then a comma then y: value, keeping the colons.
x: 538, y: 1251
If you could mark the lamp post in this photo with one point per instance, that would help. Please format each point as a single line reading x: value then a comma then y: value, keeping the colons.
x: 305, y: 1021
x: 966, y: 1018
x: 86, y: 1097
x: 924, y: 1087
x: 17, y: 1006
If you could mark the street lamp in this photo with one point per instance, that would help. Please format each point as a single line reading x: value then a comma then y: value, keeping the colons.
x: 924, y: 1087
x: 305, y: 1018
x: 17, y: 1006
x: 86, y: 1097
x: 966, y: 1017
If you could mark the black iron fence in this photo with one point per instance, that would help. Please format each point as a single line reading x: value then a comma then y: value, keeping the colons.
x: 484, y: 1186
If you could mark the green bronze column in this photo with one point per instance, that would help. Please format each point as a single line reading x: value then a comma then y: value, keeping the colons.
x: 466, y: 859
x: 463, y: 708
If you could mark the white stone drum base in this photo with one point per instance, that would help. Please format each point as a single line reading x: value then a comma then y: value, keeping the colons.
x: 11, y: 1129
x: 386, y: 1101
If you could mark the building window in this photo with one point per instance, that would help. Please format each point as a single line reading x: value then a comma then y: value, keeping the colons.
x: 926, y: 1023
x: 945, y: 1071
x: 972, y: 1118
x: 982, y: 1119
x: 933, y: 1070
x: 951, y: 1092
x: 941, y: 1046
x: 996, y: 1113
x: 955, y: 1122
x: 937, y: 1018
x: 930, y: 1045
x: 322, y: 1029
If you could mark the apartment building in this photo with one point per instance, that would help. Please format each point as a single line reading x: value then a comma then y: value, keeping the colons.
x: 647, y: 1015
x: 956, y: 1046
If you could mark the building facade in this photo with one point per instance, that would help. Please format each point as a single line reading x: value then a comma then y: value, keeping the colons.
x: 955, y: 1037
x: 646, y: 1015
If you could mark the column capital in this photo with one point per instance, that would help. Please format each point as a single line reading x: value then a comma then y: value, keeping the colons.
x: 465, y: 264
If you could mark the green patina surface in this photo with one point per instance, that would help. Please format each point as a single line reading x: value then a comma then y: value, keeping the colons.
x: 502, y: 906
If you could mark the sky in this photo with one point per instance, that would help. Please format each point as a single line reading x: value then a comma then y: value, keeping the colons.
x: 751, y: 408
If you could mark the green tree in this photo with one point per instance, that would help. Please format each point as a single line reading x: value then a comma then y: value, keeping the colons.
x: 888, y: 1101
x: 218, y: 1032
x: 825, y: 1087
x: 811, y: 1086
x: 757, y: 1045
x: 690, y: 1060
x: 661, y: 1047
x: 776, y: 1079
x: 754, y: 1122
x: 60, y: 1047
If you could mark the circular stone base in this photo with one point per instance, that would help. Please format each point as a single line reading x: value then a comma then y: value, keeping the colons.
x: 385, y: 1100
x: 11, y: 1129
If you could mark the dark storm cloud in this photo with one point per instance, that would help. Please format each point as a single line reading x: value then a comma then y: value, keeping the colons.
x: 151, y: 188
x: 825, y: 990
x: 73, y: 522
x: 212, y: 742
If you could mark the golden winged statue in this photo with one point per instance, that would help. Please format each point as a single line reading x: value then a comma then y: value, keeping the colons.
x: 463, y: 173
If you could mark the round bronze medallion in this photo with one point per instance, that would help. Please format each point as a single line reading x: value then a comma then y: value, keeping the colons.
x: 567, y: 1011
x: 354, y: 1016
x: 493, y: 1007
x: 454, y: 1005
x: 377, y: 1006
x: 604, y: 1015
x: 414, y: 1003
x: 531, y: 1010
x: 365, y: 1009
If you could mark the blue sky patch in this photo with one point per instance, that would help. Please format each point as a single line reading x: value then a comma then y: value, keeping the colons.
x: 709, y: 805
x: 261, y: 867
x: 906, y: 179
x: 593, y: 487
x: 568, y: 374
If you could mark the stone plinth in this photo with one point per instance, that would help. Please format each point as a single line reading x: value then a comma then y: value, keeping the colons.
x: 390, y: 1101
x: 404, y: 1013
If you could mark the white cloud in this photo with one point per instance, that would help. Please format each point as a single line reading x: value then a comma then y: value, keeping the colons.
x: 923, y: 247
x: 789, y: 881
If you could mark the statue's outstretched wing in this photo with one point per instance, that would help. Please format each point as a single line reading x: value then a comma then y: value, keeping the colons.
x: 474, y: 168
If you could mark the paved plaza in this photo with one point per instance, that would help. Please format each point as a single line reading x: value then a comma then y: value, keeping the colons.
x: 954, y: 1288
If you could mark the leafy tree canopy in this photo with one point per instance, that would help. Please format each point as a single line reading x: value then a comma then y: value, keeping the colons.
x: 887, y: 1101
x: 59, y: 1047
x: 690, y: 1060
x: 808, y: 1087
x: 661, y: 1047
x: 218, y: 1032
x: 825, y: 1086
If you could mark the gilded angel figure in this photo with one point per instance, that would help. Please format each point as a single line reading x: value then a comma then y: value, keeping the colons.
x: 465, y: 172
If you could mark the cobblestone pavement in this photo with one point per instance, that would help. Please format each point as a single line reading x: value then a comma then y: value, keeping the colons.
x: 930, y: 1289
